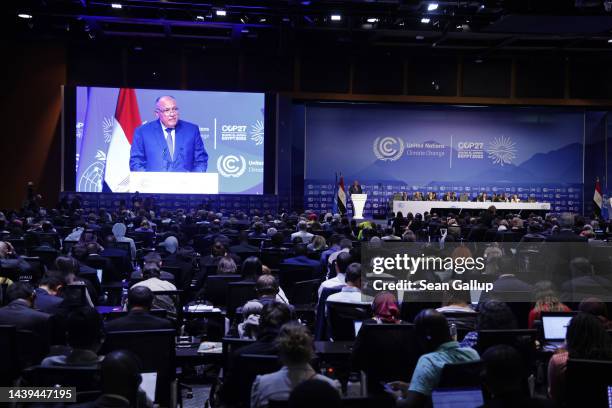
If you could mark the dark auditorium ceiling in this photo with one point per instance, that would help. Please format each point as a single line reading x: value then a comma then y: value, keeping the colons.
x: 471, y: 25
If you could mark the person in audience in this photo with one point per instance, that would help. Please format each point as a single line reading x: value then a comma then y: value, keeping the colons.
x: 345, y: 246
x: 244, y: 247
x: 226, y: 266
x: 153, y: 258
x: 390, y: 236
x: 20, y: 312
x: 151, y: 275
x: 457, y: 309
x: 295, y: 351
x: 585, y: 338
x: 47, y: 294
x: 314, y: 393
x: 343, y: 260
x: 121, y: 379
x: 547, y: 300
x: 301, y: 259
x: 251, y: 269
x: 598, y: 309
x: 505, y: 376
x: 584, y: 282
x: 272, y: 317
x: 385, y: 309
x: 507, y: 286
x: 85, y: 334
x: 145, y: 226
x: 266, y: 288
x: 317, y: 244
x: 432, y: 331
x: 119, y: 230
x: 258, y: 231
x: 9, y: 259
x: 351, y: 292
x: 565, y: 233
x: 140, y: 301
x: 302, y: 233
x: 493, y: 315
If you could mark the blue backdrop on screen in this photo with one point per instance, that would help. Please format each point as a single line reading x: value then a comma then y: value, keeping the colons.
x: 531, y: 152
x: 231, y: 126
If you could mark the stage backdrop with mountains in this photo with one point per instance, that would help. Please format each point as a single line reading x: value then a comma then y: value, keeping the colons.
x: 533, y: 152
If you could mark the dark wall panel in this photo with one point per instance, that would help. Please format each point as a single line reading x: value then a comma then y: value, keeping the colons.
x: 268, y: 73
x: 154, y: 68
x: 378, y: 75
x: 540, y: 77
x: 211, y: 72
x: 590, y: 78
x: 325, y: 73
x: 490, y: 78
x: 432, y: 76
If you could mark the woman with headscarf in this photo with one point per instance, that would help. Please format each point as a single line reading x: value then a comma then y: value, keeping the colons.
x: 119, y: 230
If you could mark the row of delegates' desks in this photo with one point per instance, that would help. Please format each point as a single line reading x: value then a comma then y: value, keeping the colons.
x: 415, y: 207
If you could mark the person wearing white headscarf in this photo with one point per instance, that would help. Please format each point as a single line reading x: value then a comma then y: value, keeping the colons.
x: 119, y: 230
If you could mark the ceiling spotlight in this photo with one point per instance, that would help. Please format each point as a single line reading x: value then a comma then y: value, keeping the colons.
x: 478, y: 60
x: 482, y: 6
x: 425, y: 20
x: 244, y: 19
x: 116, y: 6
x: 24, y: 15
x: 244, y: 31
x: 372, y: 20
x: 336, y: 17
x: 200, y: 18
x: 432, y: 6
x: 610, y: 41
x: 221, y: 13
x: 263, y: 20
x: 420, y: 37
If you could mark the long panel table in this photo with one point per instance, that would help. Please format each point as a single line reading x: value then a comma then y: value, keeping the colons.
x: 421, y: 206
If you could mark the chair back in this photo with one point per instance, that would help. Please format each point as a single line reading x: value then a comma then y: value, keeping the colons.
x: 304, y: 293
x: 396, y: 349
x: 251, y: 366
x: 215, y: 290
x: 461, y: 375
x: 289, y: 274
x: 588, y: 380
x: 9, y: 369
x: 524, y: 340
x: 83, y: 378
x: 238, y: 293
x: 342, y: 317
x: 156, y: 351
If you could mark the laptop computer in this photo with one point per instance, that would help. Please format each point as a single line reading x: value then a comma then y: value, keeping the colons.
x: 457, y: 398
x: 554, y: 325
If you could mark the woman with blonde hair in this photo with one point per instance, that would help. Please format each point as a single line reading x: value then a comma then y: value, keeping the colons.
x: 546, y: 300
x: 295, y: 346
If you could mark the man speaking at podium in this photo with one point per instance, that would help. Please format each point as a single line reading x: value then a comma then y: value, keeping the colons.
x: 355, y: 188
x: 169, y: 144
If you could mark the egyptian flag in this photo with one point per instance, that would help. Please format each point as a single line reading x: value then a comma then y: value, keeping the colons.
x: 127, y: 119
x: 597, y: 199
x: 341, y: 198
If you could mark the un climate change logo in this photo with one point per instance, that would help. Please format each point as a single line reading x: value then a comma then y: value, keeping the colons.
x: 388, y: 148
x: 231, y: 165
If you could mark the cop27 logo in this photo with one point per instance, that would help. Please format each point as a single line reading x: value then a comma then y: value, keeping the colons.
x: 502, y: 150
x: 231, y: 165
x: 388, y: 148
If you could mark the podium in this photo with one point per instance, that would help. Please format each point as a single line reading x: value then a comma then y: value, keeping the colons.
x: 174, y: 183
x: 359, y: 201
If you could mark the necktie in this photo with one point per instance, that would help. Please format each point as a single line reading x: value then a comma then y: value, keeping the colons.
x: 169, y: 142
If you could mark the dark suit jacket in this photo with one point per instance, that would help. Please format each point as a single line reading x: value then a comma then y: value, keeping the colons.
x: 149, y: 150
x: 138, y: 320
x: 506, y: 288
x: 19, y: 314
x: 47, y: 303
x: 303, y: 260
x: 355, y: 190
x: 565, y: 236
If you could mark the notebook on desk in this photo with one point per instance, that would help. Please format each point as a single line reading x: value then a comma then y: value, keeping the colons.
x: 554, y: 325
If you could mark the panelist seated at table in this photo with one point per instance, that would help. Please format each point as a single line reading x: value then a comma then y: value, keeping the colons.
x: 515, y: 199
x: 482, y: 197
x: 418, y: 196
x: 432, y: 196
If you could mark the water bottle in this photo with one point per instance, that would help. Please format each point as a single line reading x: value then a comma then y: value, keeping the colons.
x: 353, y: 386
x: 453, y: 331
x: 124, y: 299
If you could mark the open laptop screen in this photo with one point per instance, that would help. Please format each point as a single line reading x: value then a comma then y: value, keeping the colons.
x: 555, y: 327
x: 457, y: 398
